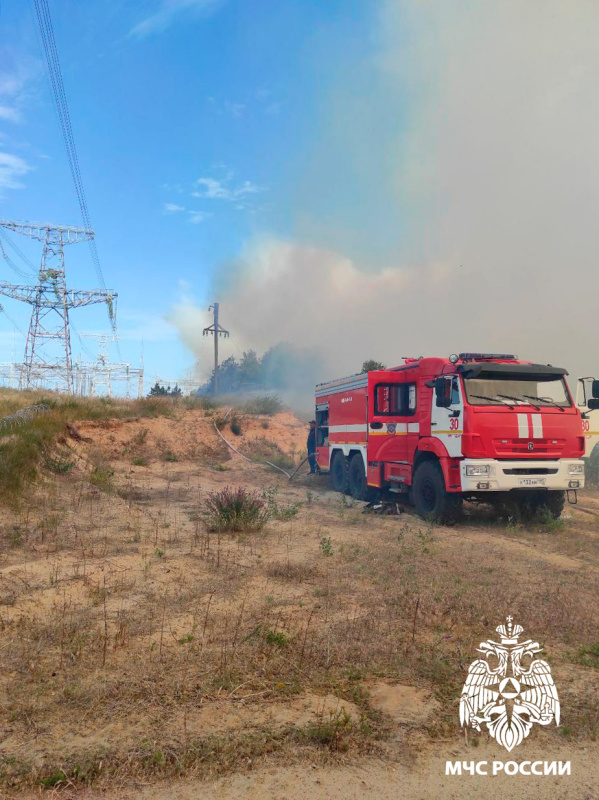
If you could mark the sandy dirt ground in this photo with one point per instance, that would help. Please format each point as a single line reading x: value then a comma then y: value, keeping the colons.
x: 376, y: 780
x: 125, y: 622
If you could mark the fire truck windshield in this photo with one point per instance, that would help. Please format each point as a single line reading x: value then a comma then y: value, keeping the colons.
x: 521, y: 390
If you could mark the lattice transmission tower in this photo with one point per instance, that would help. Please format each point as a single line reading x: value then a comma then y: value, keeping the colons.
x: 48, y: 347
x: 100, y: 377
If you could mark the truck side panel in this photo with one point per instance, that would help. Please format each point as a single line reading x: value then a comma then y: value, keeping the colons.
x: 346, y: 402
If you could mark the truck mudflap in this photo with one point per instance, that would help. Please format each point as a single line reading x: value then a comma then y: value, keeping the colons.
x: 489, y: 475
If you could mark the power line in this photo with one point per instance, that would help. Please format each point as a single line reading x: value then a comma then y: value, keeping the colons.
x: 19, y: 252
x: 48, y: 41
x: 85, y: 349
x: 11, y: 320
x: 11, y: 263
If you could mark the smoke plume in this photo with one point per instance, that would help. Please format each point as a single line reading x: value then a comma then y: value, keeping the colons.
x: 471, y: 223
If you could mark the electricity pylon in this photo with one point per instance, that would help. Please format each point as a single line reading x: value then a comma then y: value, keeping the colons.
x: 99, y: 377
x: 51, y: 303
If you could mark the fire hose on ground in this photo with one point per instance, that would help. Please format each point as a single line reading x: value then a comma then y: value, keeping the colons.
x: 249, y: 460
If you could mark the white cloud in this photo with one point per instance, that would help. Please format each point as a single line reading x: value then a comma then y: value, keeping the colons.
x: 197, y: 217
x: 168, y: 11
x: 15, y: 84
x: 137, y: 326
x: 10, y: 114
x: 17, y: 75
x: 236, y: 110
x: 212, y: 189
x: 173, y: 208
x: 12, y: 168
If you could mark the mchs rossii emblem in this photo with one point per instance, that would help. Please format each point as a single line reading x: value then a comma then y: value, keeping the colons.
x: 510, y: 697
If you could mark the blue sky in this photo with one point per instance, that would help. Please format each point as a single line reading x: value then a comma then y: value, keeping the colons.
x: 354, y: 175
x: 196, y: 122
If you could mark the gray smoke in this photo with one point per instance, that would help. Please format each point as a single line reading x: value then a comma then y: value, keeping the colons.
x: 491, y: 176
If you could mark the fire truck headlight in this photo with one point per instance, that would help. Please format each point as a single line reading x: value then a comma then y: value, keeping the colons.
x: 477, y: 469
x: 575, y: 469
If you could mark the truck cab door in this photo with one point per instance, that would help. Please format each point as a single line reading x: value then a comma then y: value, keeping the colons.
x: 322, y: 436
x: 447, y: 413
x: 391, y: 410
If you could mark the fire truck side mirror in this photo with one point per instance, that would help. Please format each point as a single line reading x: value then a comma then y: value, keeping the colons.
x: 443, y: 392
x: 593, y: 404
x: 595, y: 389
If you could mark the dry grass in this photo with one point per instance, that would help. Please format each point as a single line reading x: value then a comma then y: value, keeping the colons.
x: 133, y: 640
x: 263, y: 449
x: 24, y: 449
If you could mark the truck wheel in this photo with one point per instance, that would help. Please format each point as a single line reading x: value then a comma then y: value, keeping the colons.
x: 358, y: 486
x: 339, y: 477
x: 430, y: 499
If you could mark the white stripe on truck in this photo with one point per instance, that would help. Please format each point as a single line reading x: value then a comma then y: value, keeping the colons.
x: 523, y: 426
x: 537, y: 426
x: 348, y: 428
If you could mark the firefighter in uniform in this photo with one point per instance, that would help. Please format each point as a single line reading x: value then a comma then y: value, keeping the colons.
x: 311, y: 445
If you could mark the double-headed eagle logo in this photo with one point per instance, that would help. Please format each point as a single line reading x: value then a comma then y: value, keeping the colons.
x: 512, y: 696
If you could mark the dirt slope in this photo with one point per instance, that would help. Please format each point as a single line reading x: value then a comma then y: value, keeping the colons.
x: 325, y: 653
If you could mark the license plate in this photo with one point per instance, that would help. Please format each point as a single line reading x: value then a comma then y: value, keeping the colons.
x: 532, y: 482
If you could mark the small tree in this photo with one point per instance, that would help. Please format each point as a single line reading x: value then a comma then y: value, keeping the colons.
x: 371, y: 364
x: 165, y: 391
x: 158, y: 390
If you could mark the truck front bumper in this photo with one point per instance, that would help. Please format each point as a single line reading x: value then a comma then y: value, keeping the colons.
x: 503, y: 476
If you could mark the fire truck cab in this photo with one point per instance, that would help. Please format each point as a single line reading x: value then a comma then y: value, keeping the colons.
x: 474, y: 426
x: 587, y: 400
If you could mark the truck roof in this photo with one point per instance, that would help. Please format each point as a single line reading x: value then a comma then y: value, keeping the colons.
x: 470, y: 363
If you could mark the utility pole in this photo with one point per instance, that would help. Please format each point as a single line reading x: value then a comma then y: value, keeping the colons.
x: 216, y: 330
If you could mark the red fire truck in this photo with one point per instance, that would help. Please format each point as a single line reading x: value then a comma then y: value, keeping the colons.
x: 473, y: 426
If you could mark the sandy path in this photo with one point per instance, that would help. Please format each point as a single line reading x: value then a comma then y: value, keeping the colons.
x: 369, y: 780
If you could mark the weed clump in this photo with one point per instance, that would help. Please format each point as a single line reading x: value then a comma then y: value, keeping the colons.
x: 236, y: 510
x: 330, y: 732
x: 262, y: 449
x: 269, y: 404
x: 276, y: 510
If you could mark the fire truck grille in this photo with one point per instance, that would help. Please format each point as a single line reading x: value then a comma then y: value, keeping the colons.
x: 531, y: 471
x: 520, y: 447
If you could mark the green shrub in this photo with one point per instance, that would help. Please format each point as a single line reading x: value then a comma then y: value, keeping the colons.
x: 329, y: 732
x: 275, y: 638
x: 55, y: 779
x: 269, y: 404
x: 234, y: 510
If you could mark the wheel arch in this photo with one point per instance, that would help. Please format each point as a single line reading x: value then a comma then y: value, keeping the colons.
x: 436, y: 453
x: 333, y: 452
x: 356, y: 451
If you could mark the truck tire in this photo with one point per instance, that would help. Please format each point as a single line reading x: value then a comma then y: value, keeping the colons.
x: 339, y: 476
x: 431, y: 500
x: 358, y: 485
